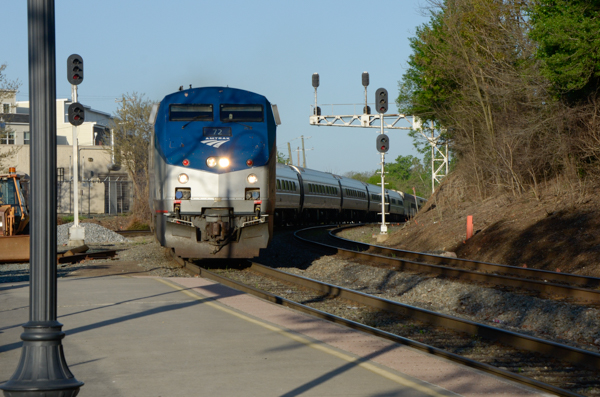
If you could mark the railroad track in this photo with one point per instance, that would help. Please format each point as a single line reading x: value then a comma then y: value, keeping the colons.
x: 577, y: 369
x: 549, y: 283
x: 133, y: 233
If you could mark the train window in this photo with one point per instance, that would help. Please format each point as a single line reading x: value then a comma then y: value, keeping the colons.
x: 242, y: 113
x: 294, y: 184
x: 190, y: 112
x: 278, y: 184
x: 286, y: 185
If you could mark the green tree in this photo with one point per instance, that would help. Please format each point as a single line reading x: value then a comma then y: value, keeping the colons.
x: 282, y: 158
x: 568, y: 37
x: 473, y: 73
x: 403, y: 174
x: 359, y: 176
x: 132, y: 131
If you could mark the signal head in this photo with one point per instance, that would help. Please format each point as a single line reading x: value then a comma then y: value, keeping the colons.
x: 315, y: 80
x: 383, y: 143
x: 381, y: 100
x: 365, y: 79
x: 76, y: 113
x: 75, y: 69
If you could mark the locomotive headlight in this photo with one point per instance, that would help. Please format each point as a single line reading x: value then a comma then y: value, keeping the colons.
x: 223, y: 162
x: 252, y: 178
x: 211, y: 162
x: 183, y: 178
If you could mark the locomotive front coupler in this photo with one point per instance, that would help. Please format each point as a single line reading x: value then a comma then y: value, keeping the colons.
x: 257, y: 211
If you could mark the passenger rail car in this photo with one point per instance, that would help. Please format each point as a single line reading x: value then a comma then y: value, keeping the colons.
x: 305, y: 195
x: 212, y: 172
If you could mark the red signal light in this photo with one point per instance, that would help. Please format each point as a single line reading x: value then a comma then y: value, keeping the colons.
x: 186, y: 162
x: 249, y: 163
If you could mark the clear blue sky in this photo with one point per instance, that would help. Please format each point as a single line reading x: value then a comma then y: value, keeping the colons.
x: 266, y: 46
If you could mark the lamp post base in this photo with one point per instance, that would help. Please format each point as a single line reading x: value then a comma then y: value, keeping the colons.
x: 42, y: 369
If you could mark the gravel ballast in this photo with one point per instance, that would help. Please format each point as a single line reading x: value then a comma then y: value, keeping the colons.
x: 94, y: 234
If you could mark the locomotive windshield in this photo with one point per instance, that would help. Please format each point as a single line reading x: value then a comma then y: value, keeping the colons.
x: 193, y: 112
x: 230, y: 113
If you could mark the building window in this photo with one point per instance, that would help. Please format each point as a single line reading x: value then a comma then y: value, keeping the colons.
x: 60, y: 174
x: 7, y: 138
x: 26, y: 137
x: 6, y: 108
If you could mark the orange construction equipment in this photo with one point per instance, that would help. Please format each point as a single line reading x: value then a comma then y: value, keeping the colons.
x: 14, y: 219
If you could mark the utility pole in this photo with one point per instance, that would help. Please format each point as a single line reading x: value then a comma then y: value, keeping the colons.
x: 302, y: 137
x: 290, y: 154
x: 42, y: 370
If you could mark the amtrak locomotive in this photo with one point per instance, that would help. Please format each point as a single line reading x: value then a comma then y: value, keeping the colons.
x: 216, y: 188
x: 212, y: 172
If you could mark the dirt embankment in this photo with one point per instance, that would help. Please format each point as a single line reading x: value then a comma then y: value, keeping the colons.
x: 558, y: 229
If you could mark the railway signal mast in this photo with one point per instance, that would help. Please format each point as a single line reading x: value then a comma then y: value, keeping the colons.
x: 76, y: 116
x: 365, y: 120
x: 368, y: 120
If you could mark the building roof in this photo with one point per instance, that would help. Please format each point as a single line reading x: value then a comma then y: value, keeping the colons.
x: 15, y: 118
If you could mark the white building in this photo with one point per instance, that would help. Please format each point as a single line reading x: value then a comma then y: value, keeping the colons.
x: 102, y: 189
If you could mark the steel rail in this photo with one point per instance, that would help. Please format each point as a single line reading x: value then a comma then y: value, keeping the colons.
x: 553, y: 349
x: 195, y: 269
x: 399, y: 264
x: 133, y: 233
x: 567, y: 278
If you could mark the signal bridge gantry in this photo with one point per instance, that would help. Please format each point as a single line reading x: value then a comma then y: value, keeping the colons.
x: 359, y: 120
x: 378, y: 120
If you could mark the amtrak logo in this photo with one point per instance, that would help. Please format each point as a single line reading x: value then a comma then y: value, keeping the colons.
x: 215, y: 142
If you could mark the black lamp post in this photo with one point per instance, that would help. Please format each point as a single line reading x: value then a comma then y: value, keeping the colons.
x: 42, y: 369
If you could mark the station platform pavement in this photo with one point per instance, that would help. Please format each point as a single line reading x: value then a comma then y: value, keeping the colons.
x: 166, y: 337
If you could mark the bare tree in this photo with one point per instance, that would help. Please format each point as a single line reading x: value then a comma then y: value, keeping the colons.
x: 8, y: 88
x: 132, y: 131
x: 494, y: 100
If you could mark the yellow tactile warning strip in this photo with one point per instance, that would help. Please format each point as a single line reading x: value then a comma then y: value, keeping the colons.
x: 450, y: 378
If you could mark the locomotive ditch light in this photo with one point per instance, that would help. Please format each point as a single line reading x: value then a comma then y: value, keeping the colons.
x: 183, y: 178
x: 252, y: 179
x: 223, y: 162
x: 211, y: 162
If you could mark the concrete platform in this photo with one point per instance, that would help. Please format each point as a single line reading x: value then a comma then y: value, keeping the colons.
x: 143, y: 336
